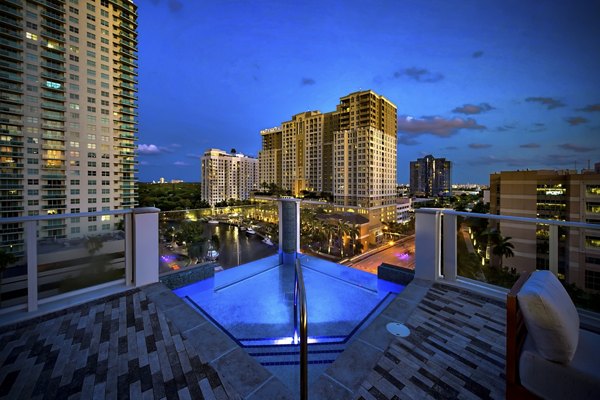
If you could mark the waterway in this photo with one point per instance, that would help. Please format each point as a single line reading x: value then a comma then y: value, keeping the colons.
x: 236, y: 247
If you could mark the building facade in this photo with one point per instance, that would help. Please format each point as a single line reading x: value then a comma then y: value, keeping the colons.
x: 350, y: 153
x: 227, y: 176
x: 430, y: 176
x: 547, y: 194
x: 68, y: 118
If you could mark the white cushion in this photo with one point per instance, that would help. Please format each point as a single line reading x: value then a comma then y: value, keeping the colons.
x: 580, y: 379
x: 550, y: 316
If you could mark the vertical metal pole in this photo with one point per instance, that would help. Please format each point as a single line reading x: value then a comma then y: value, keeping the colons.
x: 553, y: 249
x: 32, y: 278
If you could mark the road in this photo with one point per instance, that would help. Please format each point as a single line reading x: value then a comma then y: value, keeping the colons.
x: 401, y: 254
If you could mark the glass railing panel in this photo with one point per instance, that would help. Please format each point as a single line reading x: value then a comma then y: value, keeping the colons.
x: 497, y: 251
x: 579, y: 265
x: 79, y: 252
x: 225, y: 237
x: 13, y: 267
x: 486, y: 250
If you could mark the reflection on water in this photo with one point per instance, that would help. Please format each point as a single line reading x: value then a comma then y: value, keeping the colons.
x: 235, y: 247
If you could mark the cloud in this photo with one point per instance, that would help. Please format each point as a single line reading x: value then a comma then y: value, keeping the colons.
x: 549, y: 102
x: 491, y: 160
x: 436, y: 126
x: 537, y: 127
x: 479, y: 146
x: 590, y: 108
x: 576, y: 148
x: 419, y: 75
x: 307, y: 81
x: 530, y: 146
x: 148, y: 149
x: 192, y: 155
x: 477, y: 54
x: 473, y: 109
x: 505, y: 128
x: 181, y: 164
x: 451, y: 148
x: 407, y: 140
x: 574, y: 121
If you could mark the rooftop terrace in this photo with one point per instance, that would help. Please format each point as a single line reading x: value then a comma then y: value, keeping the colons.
x: 133, y: 337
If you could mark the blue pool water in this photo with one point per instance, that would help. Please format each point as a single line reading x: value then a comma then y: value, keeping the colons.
x: 253, y: 304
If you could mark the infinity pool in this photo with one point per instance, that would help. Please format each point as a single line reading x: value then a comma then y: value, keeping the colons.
x: 253, y: 304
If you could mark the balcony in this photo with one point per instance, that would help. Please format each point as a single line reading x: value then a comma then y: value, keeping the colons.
x: 52, y: 35
x: 455, y: 347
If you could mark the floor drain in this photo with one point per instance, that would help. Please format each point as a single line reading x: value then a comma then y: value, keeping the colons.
x: 398, y: 329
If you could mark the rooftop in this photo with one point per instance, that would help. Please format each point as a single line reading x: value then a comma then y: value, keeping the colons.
x: 139, y: 339
x: 147, y: 342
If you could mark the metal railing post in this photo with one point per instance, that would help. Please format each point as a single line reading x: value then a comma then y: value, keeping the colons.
x: 553, y: 249
x: 300, y: 294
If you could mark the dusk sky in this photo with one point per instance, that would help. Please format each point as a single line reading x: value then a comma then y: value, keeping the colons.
x: 491, y: 86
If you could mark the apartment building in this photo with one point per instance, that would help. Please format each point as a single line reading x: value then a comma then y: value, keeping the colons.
x: 430, y: 176
x: 227, y: 176
x: 350, y: 152
x: 67, y: 113
x: 269, y: 158
x: 562, y: 195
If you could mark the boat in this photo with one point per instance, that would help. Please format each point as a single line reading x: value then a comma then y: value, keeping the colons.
x: 250, y: 231
x: 213, y: 221
x: 267, y: 241
x: 212, y: 254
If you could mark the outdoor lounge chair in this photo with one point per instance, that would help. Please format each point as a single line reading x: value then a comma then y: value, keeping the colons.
x: 547, y: 354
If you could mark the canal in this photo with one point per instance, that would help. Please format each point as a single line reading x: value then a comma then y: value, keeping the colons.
x: 236, y: 247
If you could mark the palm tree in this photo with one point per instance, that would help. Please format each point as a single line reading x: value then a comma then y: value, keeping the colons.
x: 354, y: 232
x: 93, y: 244
x: 342, y: 228
x: 503, y: 248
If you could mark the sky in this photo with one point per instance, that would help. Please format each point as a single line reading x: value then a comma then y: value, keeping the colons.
x: 489, y: 85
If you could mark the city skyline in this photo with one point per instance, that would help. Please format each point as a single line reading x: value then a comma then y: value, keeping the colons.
x: 490, y: 87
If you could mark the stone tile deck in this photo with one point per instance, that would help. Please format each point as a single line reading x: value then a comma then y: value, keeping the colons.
x: 456, y: 350
x: 147, y: 344
x: 120, y: 347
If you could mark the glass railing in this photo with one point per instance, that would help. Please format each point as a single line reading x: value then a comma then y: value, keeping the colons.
x: 223, y: 237
x: 51, y: 257
x: 496, y: 249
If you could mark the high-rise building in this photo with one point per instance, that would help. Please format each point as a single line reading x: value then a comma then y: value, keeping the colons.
x: 430, y: 176
x: 227, y: 176
x: 349, y: 152
x: 549, y: 194
x: 67, y: 112
x: 269, y: 158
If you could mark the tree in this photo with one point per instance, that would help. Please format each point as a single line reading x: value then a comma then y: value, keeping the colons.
x: 190, y: 232
x: 342, y: 230
x: 93, y: 244
x: 503, y: 248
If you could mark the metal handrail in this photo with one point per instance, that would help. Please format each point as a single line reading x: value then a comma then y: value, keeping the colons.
x: 300, y: 291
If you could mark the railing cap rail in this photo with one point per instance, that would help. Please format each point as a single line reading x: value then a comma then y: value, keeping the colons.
x: 446, y: 211
x: 143, y: 210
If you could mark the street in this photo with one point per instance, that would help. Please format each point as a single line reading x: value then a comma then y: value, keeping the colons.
x: 401, y: 254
